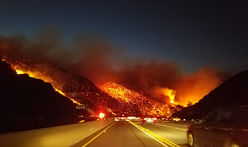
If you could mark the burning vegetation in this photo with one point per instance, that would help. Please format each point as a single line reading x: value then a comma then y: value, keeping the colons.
x: 20, y: 69
x: 170, y: 94
x: 150, y: 86
x: 125, y: 95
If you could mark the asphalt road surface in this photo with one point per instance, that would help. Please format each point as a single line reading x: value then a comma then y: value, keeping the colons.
x: 129, y: 134
x: 174, y: 132
x: 59, y: 136
x: 104, y: 133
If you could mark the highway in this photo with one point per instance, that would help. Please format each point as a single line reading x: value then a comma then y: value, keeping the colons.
x: 101, y: 134
x: 174, y: 132
x: 59, y: 136
x: 133, y: 134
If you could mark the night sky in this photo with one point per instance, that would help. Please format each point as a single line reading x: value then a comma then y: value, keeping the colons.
x: 190, y: 33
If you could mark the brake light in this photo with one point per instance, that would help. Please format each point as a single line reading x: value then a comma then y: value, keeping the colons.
x: 101, y: 115
x: 187, y: 128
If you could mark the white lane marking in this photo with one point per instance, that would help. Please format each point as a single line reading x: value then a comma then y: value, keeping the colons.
x: 95, y: 137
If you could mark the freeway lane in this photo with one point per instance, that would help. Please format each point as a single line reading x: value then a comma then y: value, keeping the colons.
x: 104, y: 133
x: 123, y: 134
x: 60, y: 136
x: 173, y: 132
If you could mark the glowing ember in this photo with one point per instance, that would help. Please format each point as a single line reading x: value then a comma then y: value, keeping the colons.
x: 59, y: 91
x: 124, y: 95
x: 62, y: 93
x: 131, y: 100
x: 38, y: 75
x: 119, y: 92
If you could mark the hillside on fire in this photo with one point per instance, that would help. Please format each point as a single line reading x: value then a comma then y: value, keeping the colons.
x: 232, y: 92
x: 28, y: 103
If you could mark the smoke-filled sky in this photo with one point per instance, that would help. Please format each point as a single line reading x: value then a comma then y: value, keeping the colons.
x: 148, y: 46
x: 191, y: 34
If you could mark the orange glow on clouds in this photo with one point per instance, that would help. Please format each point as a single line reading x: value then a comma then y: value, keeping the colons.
x: 193, y: 88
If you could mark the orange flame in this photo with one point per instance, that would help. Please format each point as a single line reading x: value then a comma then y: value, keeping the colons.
x: 167, y: 94
x: 124, y: 95
x: 194, y: 87
x: 38, y: 75
x: 117, y: 91
x: 170, y: 93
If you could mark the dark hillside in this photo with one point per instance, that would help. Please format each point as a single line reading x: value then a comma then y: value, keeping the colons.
x: 30, y: 103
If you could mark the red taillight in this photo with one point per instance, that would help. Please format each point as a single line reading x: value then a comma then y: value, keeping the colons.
x: 101, y: 115
x: 187, y: 128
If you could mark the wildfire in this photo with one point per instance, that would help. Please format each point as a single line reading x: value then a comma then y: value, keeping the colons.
x: 117, y: 91
x: 194, y: 87
x: 19, y: 72
x: 38, y: 75
x: 128, y: 97
x: 166, y: 94
x: 170, y: 93
x: 32, y: 74
x: 124, y: 95
x: 62, y: 93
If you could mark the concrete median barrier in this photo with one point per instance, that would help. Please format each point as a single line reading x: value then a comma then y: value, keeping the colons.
x: 61, y: 136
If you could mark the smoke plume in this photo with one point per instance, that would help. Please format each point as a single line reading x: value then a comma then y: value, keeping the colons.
x: 99, y: 61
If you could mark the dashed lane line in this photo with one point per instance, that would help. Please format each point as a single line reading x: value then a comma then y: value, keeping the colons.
x: 103, y: 131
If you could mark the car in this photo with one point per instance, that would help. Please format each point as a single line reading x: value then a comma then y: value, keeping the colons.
x: 121, y: 118
x: 176, y: 119
x: 223, y: 127
x: 150, y: 119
